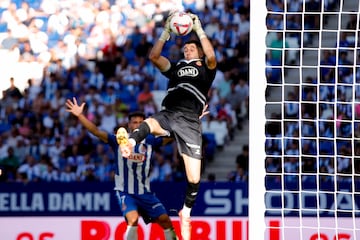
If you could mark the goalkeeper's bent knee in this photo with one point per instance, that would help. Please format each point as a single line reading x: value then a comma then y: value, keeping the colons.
x: 191, y: 194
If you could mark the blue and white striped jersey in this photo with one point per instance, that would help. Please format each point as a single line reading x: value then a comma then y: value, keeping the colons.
x: 132, y: 174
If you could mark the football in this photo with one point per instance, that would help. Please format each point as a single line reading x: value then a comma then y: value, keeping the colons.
x: 181, y: 24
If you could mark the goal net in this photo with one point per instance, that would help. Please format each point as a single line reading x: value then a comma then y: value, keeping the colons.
x: 305, y: 120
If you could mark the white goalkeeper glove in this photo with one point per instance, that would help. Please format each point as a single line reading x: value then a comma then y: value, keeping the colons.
x: 165, y: 35
x: 197, y: 28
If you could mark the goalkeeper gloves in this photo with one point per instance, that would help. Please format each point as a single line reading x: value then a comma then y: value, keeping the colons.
x: 197, y: 28
x: 165, y: 35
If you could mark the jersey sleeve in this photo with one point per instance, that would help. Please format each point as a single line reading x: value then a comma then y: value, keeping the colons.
x: 169, y: 72
x: 211, y: 73
x: 112, y: 142
x: 155, y: 142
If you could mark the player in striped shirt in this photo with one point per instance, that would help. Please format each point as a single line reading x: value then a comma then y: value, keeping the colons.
x: 132, y: 183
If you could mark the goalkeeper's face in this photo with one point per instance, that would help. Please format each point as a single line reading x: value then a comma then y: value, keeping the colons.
x: 191, y: 51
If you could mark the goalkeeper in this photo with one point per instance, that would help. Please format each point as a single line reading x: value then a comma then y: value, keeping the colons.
x: 189, y: 82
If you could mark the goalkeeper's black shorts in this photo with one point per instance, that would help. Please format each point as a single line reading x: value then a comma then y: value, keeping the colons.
x: 185, y: 128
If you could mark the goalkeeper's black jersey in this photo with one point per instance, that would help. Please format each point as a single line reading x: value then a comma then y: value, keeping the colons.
x: 189, y: 83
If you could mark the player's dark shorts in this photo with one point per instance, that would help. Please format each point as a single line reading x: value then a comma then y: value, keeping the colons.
x: 185, y: 128
x: 147, y: 205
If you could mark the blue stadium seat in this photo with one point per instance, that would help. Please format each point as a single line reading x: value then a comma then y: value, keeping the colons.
x: 17, y: 2
x: 3, y: 27
x: 44, y: 20
x: 4, y: 127
x: 35, y: 4
x: 2, y: 10
x: 126, y: 97
x: 133, y: 106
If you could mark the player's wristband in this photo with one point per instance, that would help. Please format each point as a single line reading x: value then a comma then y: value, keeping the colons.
x: 201, y: 33
x: 165, y: 35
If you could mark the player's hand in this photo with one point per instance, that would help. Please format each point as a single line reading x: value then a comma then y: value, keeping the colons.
x: 197, y: 24
x: 165, y: 35
x: 204, y: 112
x: 172, y: 12
x: 197, y: 28
x: 167, y: 22
x: 73, y: 107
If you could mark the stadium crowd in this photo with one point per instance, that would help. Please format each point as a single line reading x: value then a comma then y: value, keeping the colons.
x: 97, y: 51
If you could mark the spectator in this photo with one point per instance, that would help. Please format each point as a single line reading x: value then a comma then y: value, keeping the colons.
x: 11, y: 161
x: 272, y: 165
x: 224, y: 87
x: 51, y: 174
x: 217, y: 126
x: 132, y: 80
x: 68, y: 175
x: 21, y: 177
x: 327, y: 70
x: 30, y: 168
x: 238, y: 98
x: 108, y: 121
x: 82, y: 171
x: 145, y: 95
x: 105, y: 170
x: 74, y: 158
x: 33, y: 89
x: 55, y: 151
x: 3, y: 147
x: 291, y: 165
x: 109, y: 97
x: 291, y: 106
x: 240, y: 175
x: 13, y: 91
x: 211, y: 177
x: 97, y: 79
x: 242, y: 160
x: 277, y: 44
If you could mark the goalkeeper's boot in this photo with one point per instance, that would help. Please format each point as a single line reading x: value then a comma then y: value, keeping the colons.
x: 185, y: 223
x: 122, y: 138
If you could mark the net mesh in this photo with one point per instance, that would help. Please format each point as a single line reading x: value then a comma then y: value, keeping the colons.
x: 312, y: 127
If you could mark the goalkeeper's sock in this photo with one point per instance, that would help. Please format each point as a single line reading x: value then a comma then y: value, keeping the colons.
x: 131, y: 232
x: 170, y: 234
x: 191, y: 194
x: 185, y: 211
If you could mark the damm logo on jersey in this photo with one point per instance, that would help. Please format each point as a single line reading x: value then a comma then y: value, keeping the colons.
x: 187, y: 71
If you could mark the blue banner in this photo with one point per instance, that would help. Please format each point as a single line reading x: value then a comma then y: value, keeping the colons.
x: 98, y: 199
x: 214, y: 199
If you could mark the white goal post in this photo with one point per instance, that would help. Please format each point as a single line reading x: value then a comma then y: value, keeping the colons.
x: 304, y: 128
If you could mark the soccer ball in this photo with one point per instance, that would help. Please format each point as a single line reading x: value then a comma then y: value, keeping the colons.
x: 181, y: 24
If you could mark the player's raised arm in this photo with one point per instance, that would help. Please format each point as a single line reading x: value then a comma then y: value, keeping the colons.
x: 161, y: 62
x: 205, y: 42
x: 77, y: 110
